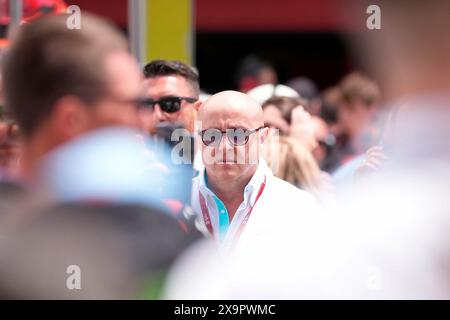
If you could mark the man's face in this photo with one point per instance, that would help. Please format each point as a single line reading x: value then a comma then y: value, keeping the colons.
x: 353, y: 117
x: 125, y: 88
x: 227, y: 160
x: 170, y: 86
x: 274, y: 119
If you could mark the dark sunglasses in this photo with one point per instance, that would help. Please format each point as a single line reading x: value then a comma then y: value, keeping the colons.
x: 168, y: 104
x: 236, y: 136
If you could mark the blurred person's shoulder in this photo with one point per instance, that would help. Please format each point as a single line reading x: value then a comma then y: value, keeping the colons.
x: 287, y: 193
x: 11, y: 194
x: 283, y: 192
x: 9, y: 188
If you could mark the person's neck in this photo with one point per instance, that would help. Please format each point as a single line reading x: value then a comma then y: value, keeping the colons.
x: 230, y: 192
x: 34, y: 148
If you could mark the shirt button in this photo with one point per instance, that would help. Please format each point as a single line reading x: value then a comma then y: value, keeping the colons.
x: 222, y: 211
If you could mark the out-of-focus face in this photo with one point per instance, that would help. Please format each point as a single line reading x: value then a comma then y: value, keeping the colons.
x: 231, y: 110
x: 119, y: 107
x: 72, y: 116
x: 321, y: 133
x: 353, y: 118
x: 267, y: 75
x: 171, y: 86
x: 274, y: 119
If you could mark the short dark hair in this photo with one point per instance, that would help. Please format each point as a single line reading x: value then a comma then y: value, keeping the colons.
x: 47, y: 61
x: 357, y: 86
x: 158, y: 68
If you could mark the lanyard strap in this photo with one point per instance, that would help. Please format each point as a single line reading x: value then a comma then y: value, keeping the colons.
x: 207, y: 217
x: 205, y: 213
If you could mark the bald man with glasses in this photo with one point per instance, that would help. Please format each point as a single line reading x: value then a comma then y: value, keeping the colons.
x: 236, y: 196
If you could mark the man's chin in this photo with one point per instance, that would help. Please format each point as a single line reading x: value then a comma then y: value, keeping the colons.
x: 228, y: 170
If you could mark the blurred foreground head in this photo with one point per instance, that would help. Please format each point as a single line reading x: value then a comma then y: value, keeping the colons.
x: 114, y: 165
x: 412, y: 44
x: 60, y: 83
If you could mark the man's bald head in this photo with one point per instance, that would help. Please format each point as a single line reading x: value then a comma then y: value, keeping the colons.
x: 231, y: 112
x: 231, y: 109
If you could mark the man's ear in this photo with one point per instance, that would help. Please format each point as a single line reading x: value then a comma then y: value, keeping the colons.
x: 70, y: 116
x: 197, y: 105
x: 263, y: 134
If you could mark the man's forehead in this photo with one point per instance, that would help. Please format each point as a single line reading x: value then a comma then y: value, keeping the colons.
x: 230, y: 109
x: 227, y: 118
x: 171, y: 84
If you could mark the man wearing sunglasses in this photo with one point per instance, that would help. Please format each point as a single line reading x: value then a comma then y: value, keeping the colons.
x: 173, y: 89
x: 236, y: 195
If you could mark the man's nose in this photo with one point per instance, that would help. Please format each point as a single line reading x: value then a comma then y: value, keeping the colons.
x: 225, y: 143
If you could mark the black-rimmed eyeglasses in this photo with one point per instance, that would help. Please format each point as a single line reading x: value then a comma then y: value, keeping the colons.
x: 236, y: 136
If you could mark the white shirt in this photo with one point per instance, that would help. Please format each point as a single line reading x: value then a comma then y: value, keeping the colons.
x: 279, y: 206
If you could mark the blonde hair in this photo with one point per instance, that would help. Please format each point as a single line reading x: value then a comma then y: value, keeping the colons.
x: 289, y: 160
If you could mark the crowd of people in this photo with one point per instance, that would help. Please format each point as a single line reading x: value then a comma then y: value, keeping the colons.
x: 156, y: 189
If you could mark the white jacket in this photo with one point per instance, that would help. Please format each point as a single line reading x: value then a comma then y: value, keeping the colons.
x: 280, y: 207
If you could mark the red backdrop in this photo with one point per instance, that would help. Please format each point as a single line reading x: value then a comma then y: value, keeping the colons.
x: 246, y: 15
